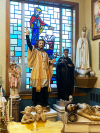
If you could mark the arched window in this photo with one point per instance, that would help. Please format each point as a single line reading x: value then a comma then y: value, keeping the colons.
x: 61, y: 16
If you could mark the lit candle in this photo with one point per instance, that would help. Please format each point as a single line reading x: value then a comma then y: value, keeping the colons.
x: 3, y: 105
x: 8, y: 110
x: 11, y: 108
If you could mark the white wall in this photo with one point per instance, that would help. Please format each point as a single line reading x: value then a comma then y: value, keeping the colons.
x: 85, y: 18
x: 3, y: 41
x: 94, y: 44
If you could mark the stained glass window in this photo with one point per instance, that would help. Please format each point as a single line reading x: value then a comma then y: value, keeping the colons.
x: 66, y: 29
x: 20, y: 15
x: 16, y: 30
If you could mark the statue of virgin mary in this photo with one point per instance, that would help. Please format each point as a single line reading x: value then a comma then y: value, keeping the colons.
x: 82, y: 54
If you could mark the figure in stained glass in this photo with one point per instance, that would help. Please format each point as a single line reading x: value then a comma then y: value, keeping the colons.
x: 37, y: 25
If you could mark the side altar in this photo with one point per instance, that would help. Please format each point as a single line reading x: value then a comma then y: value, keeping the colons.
x: 82, y: 118
x: 85, y: 82
x: 36, y: 127
x: 82, y: 125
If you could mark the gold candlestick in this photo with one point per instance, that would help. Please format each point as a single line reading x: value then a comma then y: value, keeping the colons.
x: 3, y: 118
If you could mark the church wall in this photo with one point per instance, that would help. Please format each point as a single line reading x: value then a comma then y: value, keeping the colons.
x: 93, y: 97
x: 3, y: 42
x: 81, y: 13
x: 94, y: 45
x: 85, y: 18
x: 92, y: 94
x: 94, y: 56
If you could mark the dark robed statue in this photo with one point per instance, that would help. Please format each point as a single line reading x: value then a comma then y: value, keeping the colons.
x: 65, y: 76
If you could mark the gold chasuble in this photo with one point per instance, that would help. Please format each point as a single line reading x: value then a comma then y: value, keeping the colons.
x: 42, y: 70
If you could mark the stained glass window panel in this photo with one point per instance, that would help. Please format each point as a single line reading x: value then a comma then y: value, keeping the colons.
x: 14, y: 3
x: 13, y: 41
x: 27, y: 80
x: 11, y: 48
x: 13, y: 36
x: 18, y: 49
x: 66, y: 29
x: 50, y: 15
x: 18, y: 53
x: 27, y: 86
x: 12, y: 9
x: 15, y: 28
x: 25, y: 54
x: 17, y: 12
x: 13, y: 21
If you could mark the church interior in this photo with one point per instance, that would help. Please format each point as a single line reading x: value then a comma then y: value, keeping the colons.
x: 83, y: 114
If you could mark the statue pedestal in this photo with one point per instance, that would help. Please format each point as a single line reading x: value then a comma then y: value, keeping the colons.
x: 60, y: 112
x: 15, y: 109
x: 85, y: 82
x: 51, y: 115
x: 62, y: 103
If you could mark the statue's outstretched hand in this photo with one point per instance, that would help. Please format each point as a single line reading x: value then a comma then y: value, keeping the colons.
x: 52, y: 61
x: 27, y: 31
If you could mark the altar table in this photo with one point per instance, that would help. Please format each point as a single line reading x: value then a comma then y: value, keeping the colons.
x: 36, y: 127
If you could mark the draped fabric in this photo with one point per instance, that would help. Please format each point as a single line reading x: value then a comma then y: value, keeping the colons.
x: 42, y: 70
x: 65, y: 78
